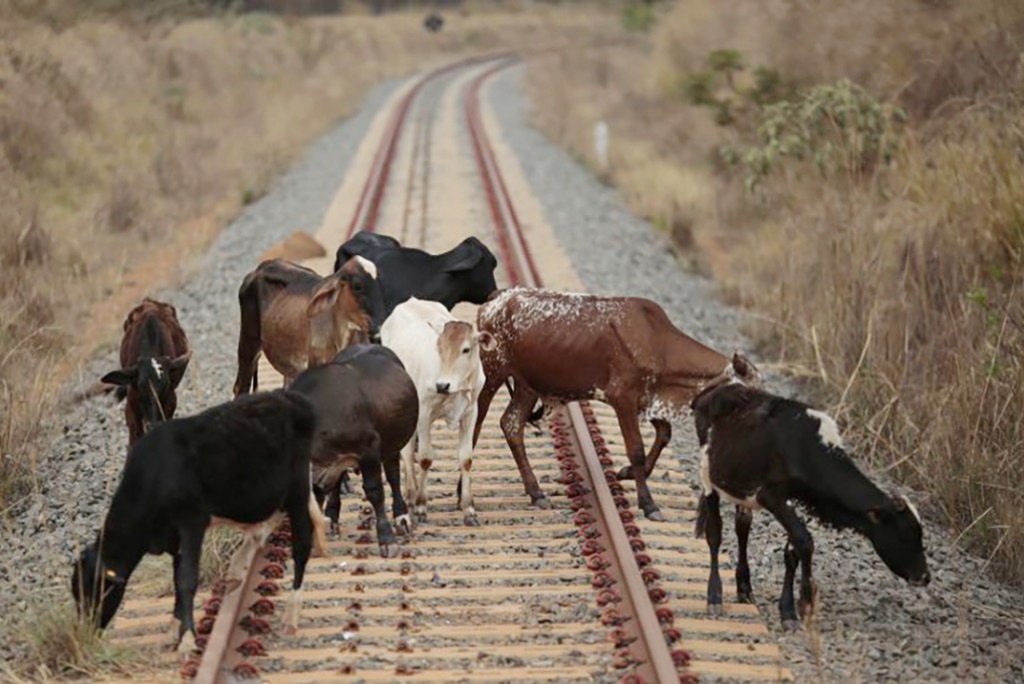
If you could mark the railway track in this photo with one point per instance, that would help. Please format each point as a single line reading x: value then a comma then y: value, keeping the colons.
x: 585, y: 591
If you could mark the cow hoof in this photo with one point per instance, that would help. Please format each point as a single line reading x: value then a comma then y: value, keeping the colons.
x: 715, y: 610
x: 186, y: 646
x: 335, y: 529
x: 420, y: 517
x: 542, y: 502
x: 790, y: 624
x: 404, y: 524
x: 655, y: 515
x: 389, y: 550
x: 470, y: 520
x: 744, y: 596
x: 625, y: 473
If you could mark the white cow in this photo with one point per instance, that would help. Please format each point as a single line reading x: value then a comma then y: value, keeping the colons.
x: 442, y: 356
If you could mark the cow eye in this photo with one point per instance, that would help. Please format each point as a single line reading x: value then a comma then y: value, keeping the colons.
x: 466, y: 350
x: 357, y: 286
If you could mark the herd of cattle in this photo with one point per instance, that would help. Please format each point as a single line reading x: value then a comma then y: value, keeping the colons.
x: 372, y: 356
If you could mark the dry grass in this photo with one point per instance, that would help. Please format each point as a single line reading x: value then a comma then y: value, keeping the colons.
x: 62, y: 644
x: 120, y: 138
x: 897, y: 291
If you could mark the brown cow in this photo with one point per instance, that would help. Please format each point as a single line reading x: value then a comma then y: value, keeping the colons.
x: 154, y: 355
x: 620, y: 350
x: 299, y: 319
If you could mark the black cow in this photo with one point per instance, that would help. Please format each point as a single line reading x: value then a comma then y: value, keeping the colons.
x: 762, y: 451
x: 464, y: 274
x: 241, y: 463
x: 367, y: 410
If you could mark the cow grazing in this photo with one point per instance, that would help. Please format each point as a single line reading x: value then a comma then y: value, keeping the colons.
x: 299, y: 319
x: 366, y: 409
x: 620, y: 350
x: 154, y: 355
x: 442, y: 356
x: 243, y: 463
x: 761, y: 451
x: 463, y: 274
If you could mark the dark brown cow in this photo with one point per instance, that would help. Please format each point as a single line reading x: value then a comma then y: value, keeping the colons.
x: 299, y: 319
x: 621, y: 350
x: 154, y: 355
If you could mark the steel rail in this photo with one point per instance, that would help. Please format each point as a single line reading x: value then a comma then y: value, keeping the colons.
x: 656, y: 659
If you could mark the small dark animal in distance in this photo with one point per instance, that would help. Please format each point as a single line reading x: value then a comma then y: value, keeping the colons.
x: 433, y: 22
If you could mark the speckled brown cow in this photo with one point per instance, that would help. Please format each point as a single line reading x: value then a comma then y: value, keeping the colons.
x: 624, y: 351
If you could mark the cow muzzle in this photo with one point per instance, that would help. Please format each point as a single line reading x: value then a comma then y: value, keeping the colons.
x: 444, y: 388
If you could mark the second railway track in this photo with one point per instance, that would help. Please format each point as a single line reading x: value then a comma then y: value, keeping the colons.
x: 585, y: 591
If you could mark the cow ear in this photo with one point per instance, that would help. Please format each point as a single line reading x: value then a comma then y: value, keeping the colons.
x: 324, y: 297
x: 124, y: 376
x: 437, y: 326
x: 464, y: 259
x: 179, y: 362
x: 743, y: 366
x: 487, y: 341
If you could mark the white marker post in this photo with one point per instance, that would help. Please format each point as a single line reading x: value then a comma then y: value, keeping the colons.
x: 601, y: 144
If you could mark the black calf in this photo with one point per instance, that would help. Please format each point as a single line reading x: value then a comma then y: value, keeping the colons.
x: 239, y: 463
x: 762, y: 451
x: 367, y: 410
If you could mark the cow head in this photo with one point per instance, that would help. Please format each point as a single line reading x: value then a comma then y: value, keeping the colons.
x: 459, y: 351
x: 894, y: 529
x: 151, y: 380
x: 97, y: 589
x: 350, y: 298
x: 474, y: 264
x: 363, y: 244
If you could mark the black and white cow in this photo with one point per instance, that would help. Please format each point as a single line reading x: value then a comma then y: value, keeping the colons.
x: 244, y: 464
x: 463, y: 274
x: 763, y: 451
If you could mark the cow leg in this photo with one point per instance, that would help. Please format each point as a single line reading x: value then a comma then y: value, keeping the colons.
x: 629, y: 423
x: 465, y: 486
x: 392, y: 471
x: 713, y: 534
x: 333, y: 508
x: 303, y: 525
x: 344, y: 485
x: 662, y: 435
x: 424, y: 459
x: 186, y: 581
x: 408, y: 456
x: 483, y: 404
x: 787, y: 609
x: 373, y: 487
x: 319, y: 526
x: 801, y: 541
x: 744, y: 591
x: 513, y: 422
x: 135, y: 429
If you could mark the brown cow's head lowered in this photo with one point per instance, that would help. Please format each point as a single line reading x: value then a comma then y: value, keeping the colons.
x: 346, y: 302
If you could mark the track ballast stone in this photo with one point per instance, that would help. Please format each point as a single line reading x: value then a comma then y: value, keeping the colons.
x: 871, y: 626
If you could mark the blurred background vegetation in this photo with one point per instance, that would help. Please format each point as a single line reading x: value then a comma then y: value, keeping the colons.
x: 852, y: 172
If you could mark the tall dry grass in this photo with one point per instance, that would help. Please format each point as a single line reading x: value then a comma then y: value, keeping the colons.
x: 897, y: 291
x: 124, y: 136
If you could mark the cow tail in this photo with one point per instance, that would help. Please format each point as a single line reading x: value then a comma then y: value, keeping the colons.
x: 249, y: 335
x: 702, y: 517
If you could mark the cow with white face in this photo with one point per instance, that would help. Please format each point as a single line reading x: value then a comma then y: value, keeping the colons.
x: 441, y: 354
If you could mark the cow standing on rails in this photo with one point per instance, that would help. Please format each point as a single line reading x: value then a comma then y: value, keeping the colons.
x: 154, y: 355
x: 763, y: 451
x: 623, y: 351
x: 366, y: 410
x: 299, y: 319
x: 462, y: 274
x: 244, y: 463
x: 442, y: 356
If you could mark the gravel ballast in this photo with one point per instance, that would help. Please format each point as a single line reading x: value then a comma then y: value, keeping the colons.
x: 870, y: 626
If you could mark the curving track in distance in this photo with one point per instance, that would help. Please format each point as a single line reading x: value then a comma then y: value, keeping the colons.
x: 586, y: 591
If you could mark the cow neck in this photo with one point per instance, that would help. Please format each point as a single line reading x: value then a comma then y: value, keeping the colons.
x: 843, y: 498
